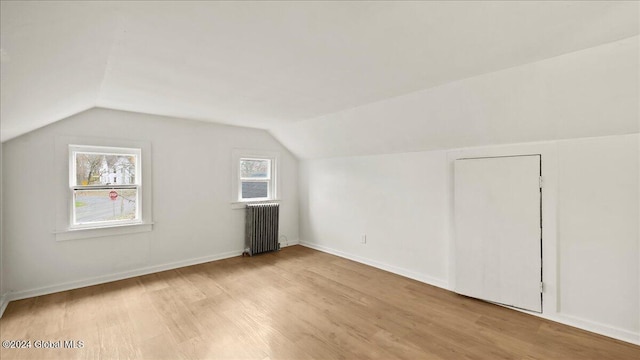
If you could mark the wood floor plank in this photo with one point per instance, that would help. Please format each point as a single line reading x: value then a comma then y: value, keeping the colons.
x: 297, y: 303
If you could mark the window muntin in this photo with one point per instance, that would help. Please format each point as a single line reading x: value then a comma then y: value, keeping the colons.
x: 256, y: 180
x: 105, y: 185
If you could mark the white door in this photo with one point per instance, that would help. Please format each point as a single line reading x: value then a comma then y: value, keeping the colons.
x: 498, y: 230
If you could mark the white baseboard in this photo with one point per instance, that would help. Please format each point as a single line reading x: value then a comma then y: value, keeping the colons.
x: 11, y: 296
x: 587, y: 325
x: 394, y: 269
x: 594, y: 327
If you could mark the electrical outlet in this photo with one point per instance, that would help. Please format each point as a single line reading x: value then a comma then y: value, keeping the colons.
x: 363, y: 239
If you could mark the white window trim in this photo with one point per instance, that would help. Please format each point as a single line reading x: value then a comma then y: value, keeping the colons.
x: 236, y: 201
x: 64, y: 230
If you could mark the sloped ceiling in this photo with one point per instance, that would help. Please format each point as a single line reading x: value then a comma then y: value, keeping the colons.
x: 271, y: 65
x: 588, y: 93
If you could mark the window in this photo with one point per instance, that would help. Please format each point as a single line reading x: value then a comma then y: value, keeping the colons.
x: 105, y: 186
x: 256, y: 179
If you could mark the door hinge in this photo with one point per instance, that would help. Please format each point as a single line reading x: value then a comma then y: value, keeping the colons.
x: 540, y: 182
x: 541, y: 286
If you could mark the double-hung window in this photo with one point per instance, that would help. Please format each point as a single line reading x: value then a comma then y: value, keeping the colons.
x: 105, y: 186
x: 256, y: 180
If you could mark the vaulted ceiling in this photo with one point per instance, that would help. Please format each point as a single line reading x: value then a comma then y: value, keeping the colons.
x: 271, y: 64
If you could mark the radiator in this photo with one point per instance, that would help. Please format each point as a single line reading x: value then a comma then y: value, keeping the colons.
x: 261, y: 228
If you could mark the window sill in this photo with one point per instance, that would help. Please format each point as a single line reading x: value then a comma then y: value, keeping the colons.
x: 240, y: 205
x: 94, y: 232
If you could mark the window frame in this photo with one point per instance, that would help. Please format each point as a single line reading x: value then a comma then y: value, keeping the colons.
x: 104, y: 150
x: 237, y: 156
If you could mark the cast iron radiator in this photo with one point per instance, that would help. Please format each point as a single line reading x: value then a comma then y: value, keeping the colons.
x: 261, y: 228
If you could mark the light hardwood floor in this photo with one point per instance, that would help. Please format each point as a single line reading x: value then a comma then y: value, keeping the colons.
x: 294, y: 304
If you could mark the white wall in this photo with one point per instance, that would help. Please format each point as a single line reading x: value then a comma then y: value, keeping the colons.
x: 403, y: 203
x: 598, y: 230
x: 192, y: 191
x: 398, y: 201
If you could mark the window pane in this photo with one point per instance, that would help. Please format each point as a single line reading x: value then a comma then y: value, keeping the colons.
x: 255, y: 189
x: 105, y: 169
x: 102, y: 205
x: 256, y: 169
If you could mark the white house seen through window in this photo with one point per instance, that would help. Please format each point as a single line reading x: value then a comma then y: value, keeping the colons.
x: 256, y: 179
x: 105, y: 184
